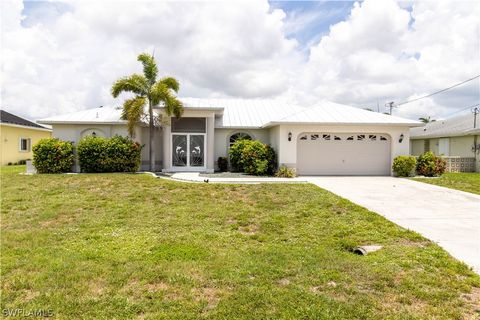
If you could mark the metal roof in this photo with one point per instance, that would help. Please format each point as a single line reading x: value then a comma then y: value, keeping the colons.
x: 456, y: 126
x: 8, y: 118
x: 331, y: 113
x: 105, y: 115
x: 253, y: 113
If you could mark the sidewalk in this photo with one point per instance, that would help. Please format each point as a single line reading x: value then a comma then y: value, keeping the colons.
x: 195, y: 177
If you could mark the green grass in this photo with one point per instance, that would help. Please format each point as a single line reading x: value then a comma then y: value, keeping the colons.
x: 469, y: 182
x: 123, y: 246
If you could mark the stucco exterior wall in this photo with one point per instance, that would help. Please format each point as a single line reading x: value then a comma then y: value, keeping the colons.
x: 10, y: 139
x: 288, y: 149
x: 75, y: 132
x: 222, y: 137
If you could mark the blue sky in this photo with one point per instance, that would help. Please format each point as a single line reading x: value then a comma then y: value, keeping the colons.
x: 355, y: 53
x: 313, y: 18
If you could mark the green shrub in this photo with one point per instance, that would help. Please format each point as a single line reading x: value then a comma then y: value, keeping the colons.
x: 429, y: 165
x: 52, y: 155
x: 117, y: 154
x: 285, y: 172
x: 222, y: 163
x: 258, y: 158
x: 9, y: 164
x: 235, y: 152
x: 404, y: 166
x: 23, y: 162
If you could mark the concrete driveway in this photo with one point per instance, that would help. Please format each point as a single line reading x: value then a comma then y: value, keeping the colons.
x: 448, y: 217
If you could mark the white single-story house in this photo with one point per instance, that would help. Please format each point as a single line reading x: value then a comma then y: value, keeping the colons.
x: 324, y: 139
x: 454, y: 138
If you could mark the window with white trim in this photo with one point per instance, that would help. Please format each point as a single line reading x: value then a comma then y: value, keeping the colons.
x: 238, y: 136
x: 24, y: 144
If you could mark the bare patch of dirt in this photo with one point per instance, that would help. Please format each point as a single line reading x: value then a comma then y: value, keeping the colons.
x: 155, y: 287
x: 97, y: 287
x: 209, y: 294
x: 58, y: 221
x: 249, y: 230
x: 284, y: 282
x: 472, y: 301
x: 29, y: 295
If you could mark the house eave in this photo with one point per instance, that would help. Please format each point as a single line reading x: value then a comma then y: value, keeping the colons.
x: 51, y: 122
x: 24, y: 127
x: 375, y: 124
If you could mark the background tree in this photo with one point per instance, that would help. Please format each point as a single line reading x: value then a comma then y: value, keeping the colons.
x: 426, y: 119
x: 149, y: 93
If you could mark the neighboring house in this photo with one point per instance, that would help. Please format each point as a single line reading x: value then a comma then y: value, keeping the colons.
x: 17, y: 136
x: 326, y: 139
x: 455, y: 138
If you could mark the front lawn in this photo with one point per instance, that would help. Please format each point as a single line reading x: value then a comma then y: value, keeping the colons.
x: 469, y: 182
x: 129, y: 246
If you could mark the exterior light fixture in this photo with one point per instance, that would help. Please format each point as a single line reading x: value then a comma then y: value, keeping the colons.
x: 289, y: 136
x: 94, y: 134
x: 401, y: 138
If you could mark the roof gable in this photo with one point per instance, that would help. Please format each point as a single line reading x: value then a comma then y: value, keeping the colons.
x: 9, y: 118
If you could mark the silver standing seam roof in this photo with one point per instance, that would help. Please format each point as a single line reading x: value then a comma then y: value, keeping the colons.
x: 451, y: 127
x: 252, y: 113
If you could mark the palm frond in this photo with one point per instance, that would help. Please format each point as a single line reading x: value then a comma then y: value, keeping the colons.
x: 133, y: 110
x: 135, y: 83
x: 150, y: 69
x: 173, y: 106
x: 171, y: 83
x: 162, y: 94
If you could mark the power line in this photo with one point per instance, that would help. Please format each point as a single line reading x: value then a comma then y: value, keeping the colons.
x: 463, y: 109
x: 439, y: 91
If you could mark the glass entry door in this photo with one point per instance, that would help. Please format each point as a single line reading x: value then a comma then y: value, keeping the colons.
x: 188, y: 151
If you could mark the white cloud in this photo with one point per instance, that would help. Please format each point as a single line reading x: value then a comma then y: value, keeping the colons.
x: 66, y: 59
x: 371, y: 56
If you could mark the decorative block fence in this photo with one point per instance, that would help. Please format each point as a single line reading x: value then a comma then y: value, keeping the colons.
x: 460, y: 164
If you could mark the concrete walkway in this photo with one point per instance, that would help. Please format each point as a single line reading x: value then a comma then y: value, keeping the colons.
x: 195, y: 177
x: 448, y: 217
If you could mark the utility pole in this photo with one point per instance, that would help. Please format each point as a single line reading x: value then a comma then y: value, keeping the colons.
x: 475, y: 111
x: 390, y: 105
x: 476, y: 146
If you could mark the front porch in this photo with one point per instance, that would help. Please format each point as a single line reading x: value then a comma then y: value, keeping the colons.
x: 188, y: 142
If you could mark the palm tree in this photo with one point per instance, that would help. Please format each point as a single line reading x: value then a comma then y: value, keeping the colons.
x: 149, y: 93
x: 426, y: 119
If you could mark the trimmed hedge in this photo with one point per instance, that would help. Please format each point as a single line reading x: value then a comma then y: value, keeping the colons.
x: 52, y: 155
x: 404, y: 166
x: 252, y: 157
x: 430, y: 165
x: 117, y: 154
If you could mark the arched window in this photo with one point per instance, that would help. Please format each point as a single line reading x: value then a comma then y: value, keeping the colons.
x: 238, y: 136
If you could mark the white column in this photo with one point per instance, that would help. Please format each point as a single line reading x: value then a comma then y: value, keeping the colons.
x: 210, y: 143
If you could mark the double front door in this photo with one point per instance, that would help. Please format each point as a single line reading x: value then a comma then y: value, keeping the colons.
x: 188, y: 151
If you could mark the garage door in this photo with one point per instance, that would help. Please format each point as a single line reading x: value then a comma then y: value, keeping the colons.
x: 343, y: 154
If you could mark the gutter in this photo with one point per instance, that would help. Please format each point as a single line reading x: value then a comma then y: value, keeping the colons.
x: 408, y: 124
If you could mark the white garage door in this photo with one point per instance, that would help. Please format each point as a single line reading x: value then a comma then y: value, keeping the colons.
x: 343, y: 154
